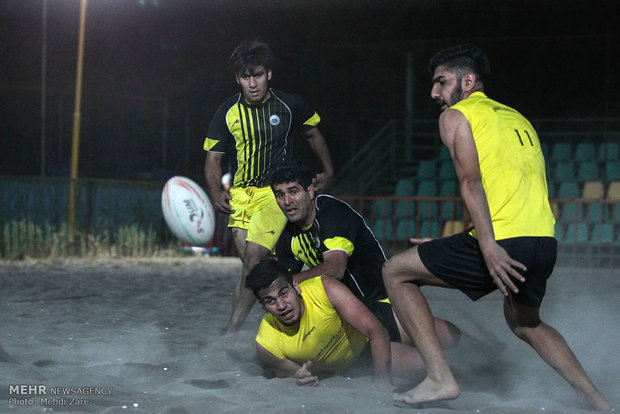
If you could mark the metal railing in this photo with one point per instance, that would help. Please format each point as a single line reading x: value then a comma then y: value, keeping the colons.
x: 123, y: 218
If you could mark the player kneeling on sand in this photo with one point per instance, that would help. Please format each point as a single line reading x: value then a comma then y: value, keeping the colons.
x: 319, y: 326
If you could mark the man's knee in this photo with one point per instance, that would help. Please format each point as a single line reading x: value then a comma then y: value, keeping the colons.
x: 391, y: 273
x: 520, y: 318
x: 254, y: 253
x: 402, y: 268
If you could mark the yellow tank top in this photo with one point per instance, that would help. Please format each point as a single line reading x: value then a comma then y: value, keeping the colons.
x: 512, y: 167
x: 321, y: 337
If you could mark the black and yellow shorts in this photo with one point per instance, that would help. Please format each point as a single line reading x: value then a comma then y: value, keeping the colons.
x: 257, y: 211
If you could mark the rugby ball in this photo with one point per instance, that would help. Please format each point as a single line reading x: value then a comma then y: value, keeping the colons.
x: 188, y: 211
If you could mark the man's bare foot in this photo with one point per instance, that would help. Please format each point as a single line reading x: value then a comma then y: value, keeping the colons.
x: 429, y: 390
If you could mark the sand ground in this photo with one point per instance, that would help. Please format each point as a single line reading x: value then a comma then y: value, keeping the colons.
x: 143, y: 336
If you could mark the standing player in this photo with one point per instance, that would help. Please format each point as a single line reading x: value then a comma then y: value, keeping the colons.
x: 258, y: 125
x: 501, y: 171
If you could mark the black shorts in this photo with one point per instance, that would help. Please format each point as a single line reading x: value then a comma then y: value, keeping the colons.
x: 383, y: 312
x: 458, y: 261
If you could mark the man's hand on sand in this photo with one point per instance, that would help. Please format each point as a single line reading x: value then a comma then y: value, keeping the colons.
x: 304, y: 377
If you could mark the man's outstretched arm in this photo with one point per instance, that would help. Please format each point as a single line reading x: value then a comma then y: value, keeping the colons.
x: 334, y: 265
x: 319, y: 147
x: 285, y: 368
x: 352, y: 310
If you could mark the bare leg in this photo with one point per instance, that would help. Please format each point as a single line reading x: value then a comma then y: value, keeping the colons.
x: 447, y: 332
x: 243, y: 298
x: 406, y: 361
x: 551, y: 346
x: 402, y: 274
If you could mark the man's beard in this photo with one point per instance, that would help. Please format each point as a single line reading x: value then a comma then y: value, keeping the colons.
x: 456, y: 94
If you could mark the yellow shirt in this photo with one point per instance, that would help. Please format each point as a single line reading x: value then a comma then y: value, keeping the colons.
x: 512, y: 167
x: 321, y: 336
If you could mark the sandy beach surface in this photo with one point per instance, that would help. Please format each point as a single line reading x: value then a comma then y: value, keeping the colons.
x: 143, y: 336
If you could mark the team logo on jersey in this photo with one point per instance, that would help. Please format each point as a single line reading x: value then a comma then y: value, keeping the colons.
x: 274, y: 120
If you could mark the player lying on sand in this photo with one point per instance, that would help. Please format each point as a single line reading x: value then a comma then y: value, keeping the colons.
x: 319, y: 326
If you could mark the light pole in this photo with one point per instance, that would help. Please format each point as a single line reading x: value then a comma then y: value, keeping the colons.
x: 75, y: 146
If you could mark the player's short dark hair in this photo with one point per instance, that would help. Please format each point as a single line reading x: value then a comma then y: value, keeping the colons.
x: 264, y: 273
x: 249, y: 55
x: 290, y: 172
x: 462, y: 59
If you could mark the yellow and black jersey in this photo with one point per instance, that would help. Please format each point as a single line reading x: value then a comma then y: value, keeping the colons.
x: 336, y: 226
x: 261, y: 136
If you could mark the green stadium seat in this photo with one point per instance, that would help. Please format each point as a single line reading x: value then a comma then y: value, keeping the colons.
x: 597, y: 212
x: 615, y: 213
x: 551, y: 189
x: 427, y: 169
x: 548, y: 171
x: 444, y: 153
x: 430, y: 228
x: 608, y: 151
x: 382, y: 208
x: 405, y: 187
x: 576, y: 233
x: 405, y: 229
x: 569, y: 190
x: 564, y: 171
x: 450, y: 210
x: 428, y: 209
x: 612, y: 170
x: 405, y: 208
x: 449, y: 188
x: 588, y: 171
x: 572, y: 212
x: 585, y: 151
x: 446, y: 170
x: 559, y: 230
x: 602, y: 234
x: 427, y: 188
x: 561, y: 151
x: 544, y: 147
x: 383, y: 229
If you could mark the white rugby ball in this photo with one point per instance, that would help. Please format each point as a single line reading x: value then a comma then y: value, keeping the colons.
x: 188, y: 211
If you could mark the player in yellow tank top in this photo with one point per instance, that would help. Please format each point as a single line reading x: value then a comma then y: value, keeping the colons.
x: 501, y: 173
x: 512, y: 168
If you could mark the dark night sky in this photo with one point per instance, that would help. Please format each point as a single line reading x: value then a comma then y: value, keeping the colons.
x: 550, y: 58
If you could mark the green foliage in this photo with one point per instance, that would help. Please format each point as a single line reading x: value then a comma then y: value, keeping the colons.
x: 22, y: 239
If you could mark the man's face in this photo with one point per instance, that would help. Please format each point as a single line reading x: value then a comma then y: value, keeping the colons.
x: 254, y: 86
x: 295, y: 202
x: 447, y: 89
x: 283, y: 300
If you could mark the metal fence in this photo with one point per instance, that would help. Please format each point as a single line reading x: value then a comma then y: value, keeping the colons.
x: 121, y: 218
